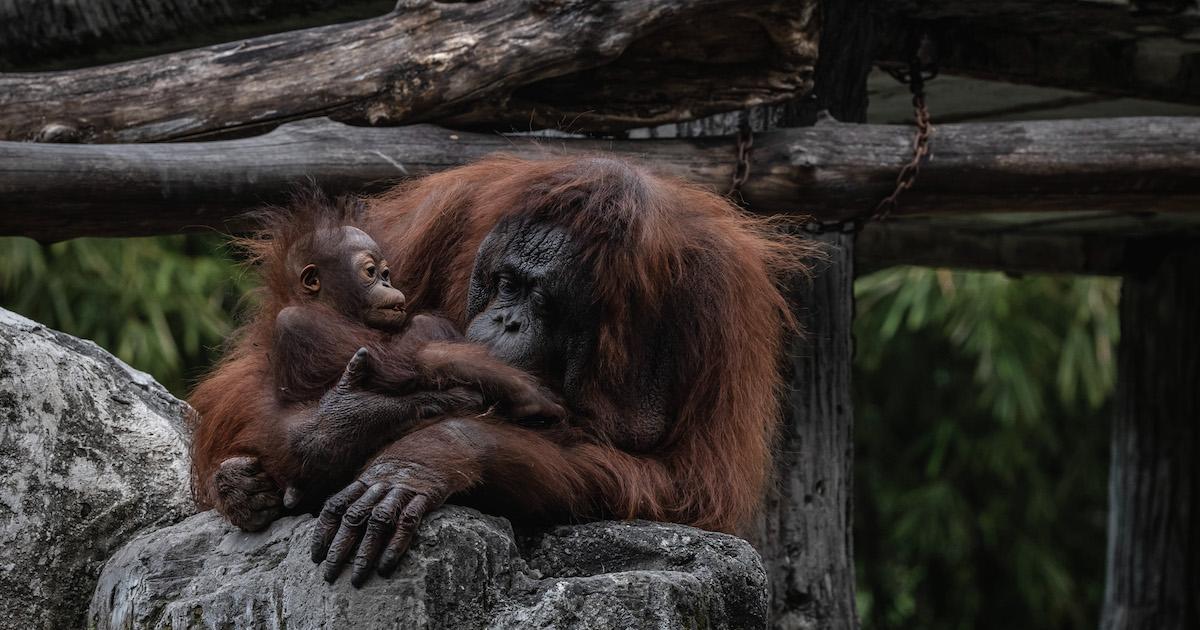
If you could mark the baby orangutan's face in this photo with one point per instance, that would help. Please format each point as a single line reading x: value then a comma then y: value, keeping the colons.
x: 355, y: 280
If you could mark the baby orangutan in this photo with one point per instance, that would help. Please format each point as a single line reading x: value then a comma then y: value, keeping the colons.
x: 330, y: 301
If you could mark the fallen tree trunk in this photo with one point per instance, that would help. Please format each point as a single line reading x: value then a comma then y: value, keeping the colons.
x: 425, y: 59
x: 832, y: 171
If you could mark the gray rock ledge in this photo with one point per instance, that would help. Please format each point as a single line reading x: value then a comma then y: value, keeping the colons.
x: 465, y: 570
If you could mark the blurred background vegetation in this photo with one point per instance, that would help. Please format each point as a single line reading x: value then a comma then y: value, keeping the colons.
x: 164, y: 304
x: 982, y: 410
x: 982, y: 406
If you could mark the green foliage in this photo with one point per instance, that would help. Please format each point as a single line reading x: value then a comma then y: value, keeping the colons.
x: 981, y: 461
x: 162, y: 304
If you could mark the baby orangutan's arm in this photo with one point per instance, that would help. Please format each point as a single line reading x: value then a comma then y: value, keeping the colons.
x: 333, y: 440
x: 448, y: 363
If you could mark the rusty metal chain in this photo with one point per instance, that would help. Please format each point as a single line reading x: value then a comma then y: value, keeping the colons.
x: 920, y: 69
x: 915, y: 77
x: 741, y: 169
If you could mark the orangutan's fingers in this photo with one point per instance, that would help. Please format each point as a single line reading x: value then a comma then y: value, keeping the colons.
x: 406, y: 528
x: 353, y: 524
x: 331, y: 518
x: 379, y: 529
x: 357, y: 369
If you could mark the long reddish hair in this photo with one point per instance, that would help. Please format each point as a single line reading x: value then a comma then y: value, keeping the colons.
x: 656, y: 248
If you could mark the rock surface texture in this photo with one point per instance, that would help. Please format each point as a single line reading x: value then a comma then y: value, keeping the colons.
x: 91, y: 452
x: 465, y: 570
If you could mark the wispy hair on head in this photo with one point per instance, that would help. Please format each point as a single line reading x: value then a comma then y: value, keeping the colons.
x: 293, y: 233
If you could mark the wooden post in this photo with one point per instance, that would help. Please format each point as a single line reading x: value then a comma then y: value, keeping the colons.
x: 1153, y: 577
x: 805, y: 537
x: 806, y: 531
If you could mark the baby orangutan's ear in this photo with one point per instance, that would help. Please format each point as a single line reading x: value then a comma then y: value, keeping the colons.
x: 309, y: 279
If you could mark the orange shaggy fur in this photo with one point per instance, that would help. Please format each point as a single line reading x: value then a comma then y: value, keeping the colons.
x: 657, y: 248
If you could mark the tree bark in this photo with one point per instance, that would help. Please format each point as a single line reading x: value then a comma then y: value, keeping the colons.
x: 831, y: 172
x: 424, y: 60
x: 759, y: 56
x: 805, y: 536
x: 1153, y: 577
x: 33, y: 32
x: 1088, y: 46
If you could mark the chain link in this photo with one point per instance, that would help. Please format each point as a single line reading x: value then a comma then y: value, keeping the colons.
x: 741, y: 169
x: 920, y: 68
x: 915, y: 75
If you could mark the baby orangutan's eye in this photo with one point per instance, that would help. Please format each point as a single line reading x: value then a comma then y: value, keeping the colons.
x: 370, y: 270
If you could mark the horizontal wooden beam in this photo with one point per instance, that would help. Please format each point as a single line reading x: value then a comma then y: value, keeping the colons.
x: 831, y: 172
x: 901, y: 243
x: 1087, y: 46
x: 427, y: 60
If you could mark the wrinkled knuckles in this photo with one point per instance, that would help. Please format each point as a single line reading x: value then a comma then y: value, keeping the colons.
x: 330, y: 518
x: 342, y: 501
x: 356, y: 517
x: 411, y: 518
x: 383, y: 518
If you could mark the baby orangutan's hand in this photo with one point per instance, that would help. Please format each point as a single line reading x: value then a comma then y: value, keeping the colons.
x: 245, y: 494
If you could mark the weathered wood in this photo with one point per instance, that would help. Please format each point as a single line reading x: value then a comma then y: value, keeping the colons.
x: 763, y: 54
x: 806, y: 533
x: 36, y: 32
x: 421, y: 61
x: 805, y: 536
x: 1114, y: 247
x: 1072, y: 44
x: 832, y: 171
x: 1153, y: 575
x: 844, y: 61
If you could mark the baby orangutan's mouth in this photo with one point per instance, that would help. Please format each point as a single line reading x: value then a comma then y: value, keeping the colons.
x: 393, y: 310
x: 390, y: 316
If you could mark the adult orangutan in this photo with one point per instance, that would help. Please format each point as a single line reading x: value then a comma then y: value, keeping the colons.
x: 650, y: 305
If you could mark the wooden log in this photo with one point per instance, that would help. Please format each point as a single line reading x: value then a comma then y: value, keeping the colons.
x: 1087, y: 46
x: 423, y: 60
x: 831, y: 172
x: 805, y: 536
x: 37, y: 33
x: 1153, y: 574
x: 763, y: 54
